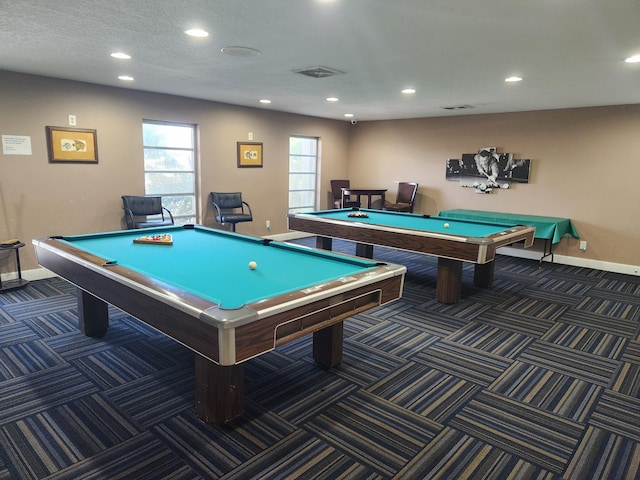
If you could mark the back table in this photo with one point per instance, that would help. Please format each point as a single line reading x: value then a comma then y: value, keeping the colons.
x: 452, y: 241
x: 364, y: 192
x: 201, y: 292
x: 551, y: 229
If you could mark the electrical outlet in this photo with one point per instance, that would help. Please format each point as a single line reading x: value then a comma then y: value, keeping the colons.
x: 72, y: 120
x: 268, y: 224
x: 250, y: 135
x: 583, y: 245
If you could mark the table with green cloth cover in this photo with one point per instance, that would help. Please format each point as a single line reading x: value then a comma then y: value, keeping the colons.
x: 551, y: 229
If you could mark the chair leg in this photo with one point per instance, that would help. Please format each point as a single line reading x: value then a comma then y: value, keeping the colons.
x: 233, y: 227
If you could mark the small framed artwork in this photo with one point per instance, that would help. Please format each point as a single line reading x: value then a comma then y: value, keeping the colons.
x: 72, y: 145
x: 249, y: 155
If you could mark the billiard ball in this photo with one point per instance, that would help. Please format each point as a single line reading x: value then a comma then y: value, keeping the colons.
x: 446, y: 225
x: 253, y: 265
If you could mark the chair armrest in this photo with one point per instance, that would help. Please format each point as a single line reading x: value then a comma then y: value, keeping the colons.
x: 248, y: 208
x: 170, y: 214
x: 128, y: 218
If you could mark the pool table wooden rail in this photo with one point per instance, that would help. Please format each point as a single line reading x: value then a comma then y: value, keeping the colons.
x: 471, y: 249
x: 451, y: 250
x: 121, y: 287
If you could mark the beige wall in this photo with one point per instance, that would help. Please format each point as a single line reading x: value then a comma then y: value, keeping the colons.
x: 585, y: 165
x: 38, y: 199
x: 585, y: 162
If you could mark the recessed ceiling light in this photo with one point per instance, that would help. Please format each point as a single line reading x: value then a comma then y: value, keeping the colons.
x: 332, y: 99
x: 513, y: 79
x: 408, y: 91
x: 126, y: 78
x: 197, y: 32
x: 240, y: 51
x: 265, y: 100
x: 121, y: 55
x: 633, y: 59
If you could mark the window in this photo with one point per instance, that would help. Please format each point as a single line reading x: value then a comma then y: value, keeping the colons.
x: 169, y: 167
x: 303, y: 160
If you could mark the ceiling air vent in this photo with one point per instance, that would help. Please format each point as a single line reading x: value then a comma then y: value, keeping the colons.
x: 459, y: 107
x: 318, y: 72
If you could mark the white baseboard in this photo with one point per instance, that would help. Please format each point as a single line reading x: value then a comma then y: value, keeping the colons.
x: 522, y: 253
x: 40, y: 273
x: 573, y: 261
x: 35, y: 274
x: 284, y: 237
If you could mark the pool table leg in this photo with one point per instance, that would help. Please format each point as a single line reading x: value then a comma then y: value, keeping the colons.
x: 324, y: 243
x: 449, y: 281
x: 219, y: 391
x: 93, y: 314
x: 364, y: 250
x: 327, y: 345
x: 483, y: 274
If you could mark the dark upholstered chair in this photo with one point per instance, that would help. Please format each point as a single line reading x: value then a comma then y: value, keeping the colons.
x: 229, y: 208
x: 336, y: 194
x: 138, y: 209
x: 405, y: 198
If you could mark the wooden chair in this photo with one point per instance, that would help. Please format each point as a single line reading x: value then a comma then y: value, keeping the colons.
x: 405, y: 198
x: 230, y: 208
x: 336, y: 194
x: 145, y: 212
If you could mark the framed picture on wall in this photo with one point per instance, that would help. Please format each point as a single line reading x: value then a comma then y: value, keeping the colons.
x: 249, y: 155
x: 72, y: 145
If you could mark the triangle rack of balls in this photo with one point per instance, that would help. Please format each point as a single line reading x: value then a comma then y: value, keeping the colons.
x: 163, y: 239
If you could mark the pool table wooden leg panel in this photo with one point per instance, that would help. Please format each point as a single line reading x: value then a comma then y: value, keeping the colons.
x: 483, y: 274
x: 449, y: 282
x: 364, y: 250
x: 93, y: 314
x: 219, y: 391
x: 327, y: 345
x: 324, y: 243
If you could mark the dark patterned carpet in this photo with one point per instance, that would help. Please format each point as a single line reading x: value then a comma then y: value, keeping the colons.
x: 535, y: 378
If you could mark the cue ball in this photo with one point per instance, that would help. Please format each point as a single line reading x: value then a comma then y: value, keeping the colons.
x: 446, y: 225
x: 253, y: 265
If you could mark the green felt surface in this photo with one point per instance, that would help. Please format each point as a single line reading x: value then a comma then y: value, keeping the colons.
x: 214, y: 264
x: 414, y: 221
x: 551, y: 228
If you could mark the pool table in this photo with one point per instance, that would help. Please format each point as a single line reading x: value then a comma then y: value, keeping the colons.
x: 452, y: 241
x: 200, y: 291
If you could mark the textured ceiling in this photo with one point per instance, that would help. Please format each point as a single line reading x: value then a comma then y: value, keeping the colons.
x: 453, y: 52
